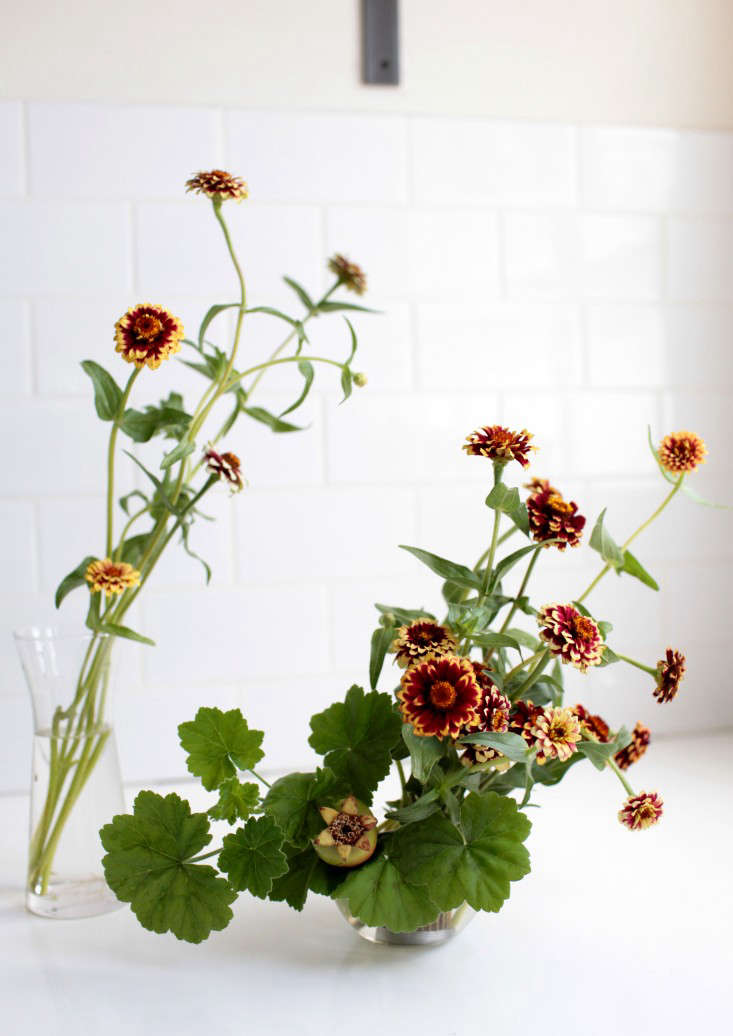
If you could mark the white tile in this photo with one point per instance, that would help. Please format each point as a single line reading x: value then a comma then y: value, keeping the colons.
x: 273, y: 459
x: 325, y: 534
x: 505, y: 343
x: 118, y: 151
x: 608, y: 432
x: 321, y: 158
x: 406, y: 439
x: 234, y: 634
x: 15, y: 352
x: 657, y: 170
x: 696, y: 603
x: 55, y: 248
x: 700, y: 259
x: 453, y: 254
x: 376, y: 239
x: 18, y: 564
x: 472, y: 161
x: 11, y: 149
x: 180, y: 249
x: 544, y: 415
x: 550, y: 255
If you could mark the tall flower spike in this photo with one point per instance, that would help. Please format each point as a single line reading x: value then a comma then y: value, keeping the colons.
x: 422, y: 638
x: 218, y: 184
x: 440, y: 696
x: 147, y: 334
x: 111, y: 577
x: 500, y: 444
x: 573, y: 637
x: 551, y: 517
x: 641, y: 811
x: 349, y: 274
x: 670, y: 671
x: 682, y: 452
x: 640, y: 738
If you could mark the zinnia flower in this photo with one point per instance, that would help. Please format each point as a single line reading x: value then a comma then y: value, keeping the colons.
x: 594, y: 728
x: 573, y: 637
x: 681, y: 452
x: 522, y: 720
x: 556, y: 732
x: 422, y: 638
x: 552, y: 517
x: 148, y: 334
x: 641, y: 811
x: 640, y: 738
x: 226, y: 466
x: 670, y: 671
x: 349, y: 274
x: 440, y: 696
x: 218, y: 184
x: 492, y: 717
x: 112, y: 577
x: 500, y: 444
x: 350, y: 837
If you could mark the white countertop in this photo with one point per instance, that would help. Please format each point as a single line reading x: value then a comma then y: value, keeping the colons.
x: 613, y: 932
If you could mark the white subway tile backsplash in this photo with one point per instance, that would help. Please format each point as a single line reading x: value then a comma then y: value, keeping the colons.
x: 474, y: 162
x: 509, y: 294
x: 11, y: 149
x: 118, y: 151
x: 650, y: 170
x: 55, y: 248
x: 319, y: 158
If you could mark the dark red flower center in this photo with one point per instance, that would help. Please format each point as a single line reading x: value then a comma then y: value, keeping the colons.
x: 584, y: 629
x: 147, y: 326
x: 442, y: 694
x: 346, y: 829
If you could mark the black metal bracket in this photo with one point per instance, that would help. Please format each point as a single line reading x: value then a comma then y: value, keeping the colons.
x: 380, y: 42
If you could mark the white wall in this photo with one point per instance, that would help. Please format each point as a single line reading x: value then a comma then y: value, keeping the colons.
x: 576, y: 280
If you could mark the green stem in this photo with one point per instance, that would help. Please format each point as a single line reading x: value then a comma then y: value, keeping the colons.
x: 126, y: 528
x: 283, y: 359
x: 534, y: 675
x: 632, y: 537
x: 111, y: 459
x: 403, y: 782
x: 638, y: 665
x: 260, y: 778
x: 498, y: 468
x: 522, y: 665
x: 613, y: 765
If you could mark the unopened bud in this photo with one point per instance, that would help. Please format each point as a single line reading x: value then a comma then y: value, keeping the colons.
x: 360, y: 379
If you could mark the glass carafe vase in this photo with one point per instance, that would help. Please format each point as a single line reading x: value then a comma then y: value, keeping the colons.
x: 76, y: 785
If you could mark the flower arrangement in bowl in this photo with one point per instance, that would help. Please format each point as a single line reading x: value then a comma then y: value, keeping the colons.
x: 69, y: 677
x: 477, y: 720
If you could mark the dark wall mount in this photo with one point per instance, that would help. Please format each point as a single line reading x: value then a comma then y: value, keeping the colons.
x: 380, y: 42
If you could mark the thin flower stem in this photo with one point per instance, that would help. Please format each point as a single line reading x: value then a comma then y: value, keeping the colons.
x: 403, y: 782
x: 535, y: 673
x: 283, y: 359
x: 260, y: 778
x: 205, y: 856
x: 639, y: 665
x: 111, y: 459
x: 526, y: 662
x: 126, y: 528
x: 494, y: 537
x: 520, y: 592
x: 632, y: 537
x: 612, y: 764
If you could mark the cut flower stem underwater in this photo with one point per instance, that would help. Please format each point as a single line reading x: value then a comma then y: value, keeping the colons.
x: 475, y: 712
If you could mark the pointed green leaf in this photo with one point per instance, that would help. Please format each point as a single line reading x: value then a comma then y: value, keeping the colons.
x: 354, y: 342
x: 252, y: 856
x: 306, y: 369
x: 75, y: 578
x: 337, y: 307
x: 511, y: 745
x: 404, y: 616
x: 180, y: 452
x: 275, y: 313
x: 265, y: 417
x: 113, y: 629
x: 451, y: 570
x: 301, y: 293
x: 421, y: 808
x: 424, y: 752
x: 356, y: 737
x: 107, y: 393
x: 346, y: 383
x: 602, y: 542
x: 635, y: 568
x: 382, y: 639
x: 506, y: 500
x: 219, y: 743
x: 494, y: 640
x: 236, y: 801
x: 599, y: 753
x: 210, y: 315
x: 147, y: 865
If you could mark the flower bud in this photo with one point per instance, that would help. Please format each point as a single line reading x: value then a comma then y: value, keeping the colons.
x: 360, y: 379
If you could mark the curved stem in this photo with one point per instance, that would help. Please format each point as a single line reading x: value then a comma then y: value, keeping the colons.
x: 638, y: 665
x: 613, y: 765
x: 534, y: 675
x: 283, y: 359
x: 126, y: 528
x: 111, y: 460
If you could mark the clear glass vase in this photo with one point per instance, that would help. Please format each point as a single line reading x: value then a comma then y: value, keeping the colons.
x: 445, y: 927
x: 75, y: 785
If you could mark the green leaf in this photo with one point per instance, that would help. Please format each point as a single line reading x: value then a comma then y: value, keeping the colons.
x: 306, y: 873
x: 494, y: 640
x: 451, y: 570
x: 293, y: 802
x: 475, y: 866
x: 404, y: 616
x: 417, y: 810
x: 236, y: 801
x: 252, y: 856
x: 525, y: 639
x: 115, y: 630
x: 301, y: 293
x: 356, y: 737
x: 380, y: 895
x: 161, y: 496
x: 179, y: 452
x: 599, y: 753
x: 265, y: 417
x: 337, y: 307
x: 424, y: 752
x: 608, y: 657
x: 147, y: 865
x: 602, y: 542
x: 124, y: 501
x: 354, y: 342
x: 210, y: 315
x: 346, y: 383
x: 133, y: 549
x: 75, y: 578
x: 635, y: 568
x: 511, y: 745
x: 306, y: 369
x: 381, y: 640
x: 506, y: 500
x: 107, y: 393
x: 217, y: 742
x: 142, y: 425
x: 508, y: 563
x: 275, y: 313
